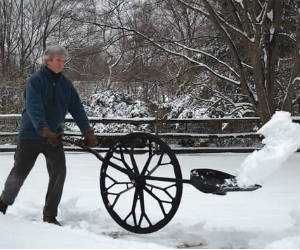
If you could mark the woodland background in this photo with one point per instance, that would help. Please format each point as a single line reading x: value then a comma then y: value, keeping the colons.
x: 165, y: 58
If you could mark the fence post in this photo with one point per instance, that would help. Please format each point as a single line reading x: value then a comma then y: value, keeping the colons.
x: 156, y: 128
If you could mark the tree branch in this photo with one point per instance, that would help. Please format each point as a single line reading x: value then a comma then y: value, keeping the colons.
x: 208, y: 55
x: 202, y: 65
x: 230, y: 43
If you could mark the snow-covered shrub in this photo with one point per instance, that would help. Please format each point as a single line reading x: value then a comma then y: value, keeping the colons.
x: 184, y: 106
x: 112, y: 104
x: 108, y: 104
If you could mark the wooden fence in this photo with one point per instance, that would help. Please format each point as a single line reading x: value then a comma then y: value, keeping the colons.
x: 183, y: 135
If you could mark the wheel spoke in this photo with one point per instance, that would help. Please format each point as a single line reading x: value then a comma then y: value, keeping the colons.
x: 157, y: 165
x: 160, y: 202
x: 142, y: 205
x: 135, y: 198
x: 109, y: 177
x: 121, y: 169
x: 147, y: 219
x: 123, y: 159
x: 115, y: 182
x: 143, y: 210
x: 118, y: 195
x: 134, y: 165
x: 127, y: 217
x: 115, y: 189
x: 165, y: 189
x: 133, y: 162
x: 145, y: 168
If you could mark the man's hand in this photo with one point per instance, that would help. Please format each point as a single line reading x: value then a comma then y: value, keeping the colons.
x: 52, y: 138
x: 92, y: 140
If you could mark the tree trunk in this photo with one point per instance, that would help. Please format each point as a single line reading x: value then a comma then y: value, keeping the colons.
x: 295, y: 74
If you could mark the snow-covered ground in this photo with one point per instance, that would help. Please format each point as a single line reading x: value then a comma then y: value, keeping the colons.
x: 265, y: 218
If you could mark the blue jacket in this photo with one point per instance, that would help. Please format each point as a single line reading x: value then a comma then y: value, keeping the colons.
x: 47, y: 103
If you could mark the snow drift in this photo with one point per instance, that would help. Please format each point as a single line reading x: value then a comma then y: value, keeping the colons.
x: 282, y: 139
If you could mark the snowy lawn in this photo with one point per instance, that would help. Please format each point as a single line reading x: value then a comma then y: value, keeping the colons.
x: 265, y: 218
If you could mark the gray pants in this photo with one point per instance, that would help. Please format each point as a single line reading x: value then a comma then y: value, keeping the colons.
x: 25, y: 157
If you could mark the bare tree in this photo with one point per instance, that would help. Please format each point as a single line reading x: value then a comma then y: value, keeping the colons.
x: 134, y: 60
x: 254, y: 26
x: 252, y: 34
x: 25, y: 29
x: 242, y: 55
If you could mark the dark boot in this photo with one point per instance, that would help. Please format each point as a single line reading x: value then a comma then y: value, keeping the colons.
x: 3, y: 207
x: 51, y: 220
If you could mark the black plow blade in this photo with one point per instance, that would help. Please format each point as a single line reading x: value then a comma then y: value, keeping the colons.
x: 217, y: 182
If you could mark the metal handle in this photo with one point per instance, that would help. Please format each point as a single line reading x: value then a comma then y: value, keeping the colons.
x: 82, y: 144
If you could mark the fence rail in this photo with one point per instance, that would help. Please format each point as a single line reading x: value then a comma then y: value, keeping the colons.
x: 211, y: 135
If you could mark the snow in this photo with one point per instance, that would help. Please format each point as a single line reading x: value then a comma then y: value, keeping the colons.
x: 270, y: 15
x: 282, y: 139
x: 265, y: 57
x: 240, y: 2
x: 272, y: 30
x: 265, y: 218
x: 10, y: 115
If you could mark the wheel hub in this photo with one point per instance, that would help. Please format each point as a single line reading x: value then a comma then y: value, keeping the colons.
x: 139, y: 181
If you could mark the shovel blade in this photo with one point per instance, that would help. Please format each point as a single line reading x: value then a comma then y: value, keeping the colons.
x: 216, y: 182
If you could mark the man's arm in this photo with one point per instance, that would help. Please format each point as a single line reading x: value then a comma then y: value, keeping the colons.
x: 34, y: 104
x: 76, y: 109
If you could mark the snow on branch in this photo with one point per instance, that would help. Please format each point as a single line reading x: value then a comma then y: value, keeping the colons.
x: 297, y: 99
x: 291, y: 84
x: 241, y: 32
x: 216, y: 19
x: 209, y: 55
x: 259, y: 3
x: 240, y: 2
x: 247, y: 66
x: 237, y: 107
x: 295, y: 80
x: 263, y: 12
x: 193, y: 8
x: 221, y: 19
x: 225, y: 78
x: 288, y: 36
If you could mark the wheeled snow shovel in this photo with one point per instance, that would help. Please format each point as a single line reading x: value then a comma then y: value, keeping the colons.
x: 141, y: 181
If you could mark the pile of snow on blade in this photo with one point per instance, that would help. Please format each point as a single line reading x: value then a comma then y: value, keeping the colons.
x: 282, y: 139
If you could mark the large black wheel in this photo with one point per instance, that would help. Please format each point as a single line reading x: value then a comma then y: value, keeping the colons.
x: 136, y: 203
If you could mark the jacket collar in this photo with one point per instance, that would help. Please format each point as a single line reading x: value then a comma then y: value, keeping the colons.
x: 52, y: 76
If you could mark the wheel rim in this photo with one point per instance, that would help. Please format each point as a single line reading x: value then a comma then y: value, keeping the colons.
x: 136, y: 204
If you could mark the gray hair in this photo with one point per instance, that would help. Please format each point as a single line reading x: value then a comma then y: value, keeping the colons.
x: 54, y: 50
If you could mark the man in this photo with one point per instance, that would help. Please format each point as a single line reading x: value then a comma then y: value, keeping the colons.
x: 49, y: 95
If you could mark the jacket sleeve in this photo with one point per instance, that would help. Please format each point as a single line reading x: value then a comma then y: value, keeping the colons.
x: 76, y: 109
x: 34, y: 104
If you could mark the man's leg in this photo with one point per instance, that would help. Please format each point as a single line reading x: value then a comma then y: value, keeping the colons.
x: 56, y: 165
x: 25, y: 156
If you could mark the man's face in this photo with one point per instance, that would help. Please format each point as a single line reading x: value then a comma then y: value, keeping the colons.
x: 56, y: 64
